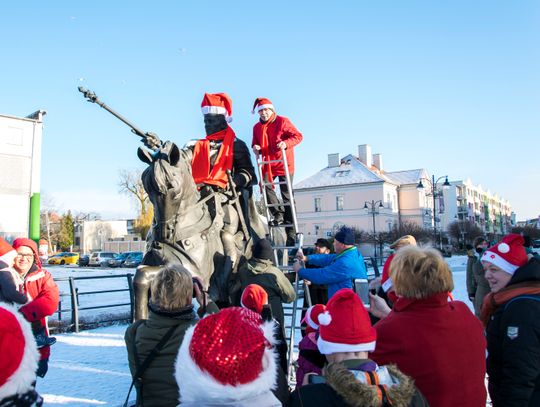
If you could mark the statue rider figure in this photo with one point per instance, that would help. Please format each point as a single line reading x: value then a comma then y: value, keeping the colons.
x: 211, y: 158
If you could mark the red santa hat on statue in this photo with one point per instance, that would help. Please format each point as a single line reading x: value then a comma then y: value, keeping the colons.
x: 262, y: 103
x: 7, y: 254
x: 217, y: 103
x: 345, y: 325
x: 509, y: 254
x: 312, y: 317
x: 20, y: 356
x: 228, y: 356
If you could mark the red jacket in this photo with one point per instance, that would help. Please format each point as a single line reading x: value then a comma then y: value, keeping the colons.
x: 281, y: 129
x: 43, y: 291
x: 440, y: 344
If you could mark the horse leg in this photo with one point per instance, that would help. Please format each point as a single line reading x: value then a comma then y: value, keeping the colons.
x: 141, y: 287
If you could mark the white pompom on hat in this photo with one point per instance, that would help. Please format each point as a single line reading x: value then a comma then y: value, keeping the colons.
x: 20, y: 356
x: 509, y: 254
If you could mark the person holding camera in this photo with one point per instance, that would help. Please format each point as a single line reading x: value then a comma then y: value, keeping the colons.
x: 350, y: 378
x: 153, y: 343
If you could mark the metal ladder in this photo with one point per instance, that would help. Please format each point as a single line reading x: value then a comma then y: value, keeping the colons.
x: 301, y: 290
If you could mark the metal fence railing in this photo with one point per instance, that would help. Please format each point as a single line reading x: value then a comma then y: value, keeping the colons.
x: 73, y: 293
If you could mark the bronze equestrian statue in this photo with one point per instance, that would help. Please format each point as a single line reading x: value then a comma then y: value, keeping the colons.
x: 208, y: 226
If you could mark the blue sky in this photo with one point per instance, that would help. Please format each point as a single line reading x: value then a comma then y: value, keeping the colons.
x: 453, y: 87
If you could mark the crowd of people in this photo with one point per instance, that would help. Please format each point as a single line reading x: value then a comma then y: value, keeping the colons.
x: 414, y: 346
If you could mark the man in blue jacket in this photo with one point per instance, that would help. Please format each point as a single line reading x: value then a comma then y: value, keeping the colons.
x: 335, y: 270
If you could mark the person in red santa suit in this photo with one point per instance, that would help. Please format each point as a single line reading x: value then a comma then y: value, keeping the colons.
x: 271, y: 134
x: 41, y: 289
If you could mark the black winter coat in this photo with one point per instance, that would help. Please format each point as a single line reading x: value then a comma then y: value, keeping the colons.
x: 342, y: 389
x: 513, y: 343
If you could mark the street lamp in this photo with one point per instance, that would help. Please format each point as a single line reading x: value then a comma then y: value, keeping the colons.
x: 373, y: 209
x: 435, y: 193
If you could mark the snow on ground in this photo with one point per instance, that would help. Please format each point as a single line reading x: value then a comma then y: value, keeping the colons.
x: 90, y: 368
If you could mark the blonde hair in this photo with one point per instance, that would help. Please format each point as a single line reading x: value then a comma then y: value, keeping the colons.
x: 420, y: 273
x: 172, y: 288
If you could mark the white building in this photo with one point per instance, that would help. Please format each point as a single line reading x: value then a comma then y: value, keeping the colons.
x: 20, y: 175
x: 465, y: 201
x: 91, y: 235
x: 340, y: 193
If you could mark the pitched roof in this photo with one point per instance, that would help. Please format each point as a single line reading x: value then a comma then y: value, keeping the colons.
x: 352, y: 171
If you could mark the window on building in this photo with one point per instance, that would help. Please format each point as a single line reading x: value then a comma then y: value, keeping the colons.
x: 317, y: 229
x: 317, y: 202
x: 339, y: 203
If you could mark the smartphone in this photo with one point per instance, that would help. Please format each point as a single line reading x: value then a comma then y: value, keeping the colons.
x: 316, y: 379
x: 361, y: 288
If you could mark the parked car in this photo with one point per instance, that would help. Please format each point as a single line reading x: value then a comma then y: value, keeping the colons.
x: 119, y: 260
x: 84, y: 260
x: 100, y: 258
x: 64, y: 258
x: 134, y: 259
x: 536, y: 243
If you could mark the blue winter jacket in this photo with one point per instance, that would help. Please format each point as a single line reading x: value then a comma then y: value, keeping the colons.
x: 335, y: 270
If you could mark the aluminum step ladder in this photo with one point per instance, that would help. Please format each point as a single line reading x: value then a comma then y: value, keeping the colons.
x: 292, y: 328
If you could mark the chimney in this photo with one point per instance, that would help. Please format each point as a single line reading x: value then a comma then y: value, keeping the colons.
x: 333, y: 160
x: 377, y: 161
x: 364, y: 154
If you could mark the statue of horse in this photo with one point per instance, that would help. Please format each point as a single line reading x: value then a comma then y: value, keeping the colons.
x: 183, y: 229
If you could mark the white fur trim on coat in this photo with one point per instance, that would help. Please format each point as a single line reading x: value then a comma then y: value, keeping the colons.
x: 327, y: 348
x: 21, y: 380
x: 197, y: 385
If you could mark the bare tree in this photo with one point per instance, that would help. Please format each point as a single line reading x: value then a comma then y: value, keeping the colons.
x: 130, y: 183
x: 464, y: 231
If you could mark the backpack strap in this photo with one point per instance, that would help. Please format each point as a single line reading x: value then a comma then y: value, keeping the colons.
x: 141, y: 368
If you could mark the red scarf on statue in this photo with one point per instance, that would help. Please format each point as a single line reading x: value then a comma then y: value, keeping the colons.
x: 266, y: 168
x: 493, y: 300
x: 200, y: 165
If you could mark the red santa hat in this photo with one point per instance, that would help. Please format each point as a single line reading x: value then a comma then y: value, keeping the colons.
x: 20, y: 356
x: 7, y: 254
x: 254, y: 298
x: 262, y: 103
x: 345, y: 325
x: 23, y: 241
x: 509, y: 254
x: 229, y: 355
x: 217, y: 103
x: 312, y: 317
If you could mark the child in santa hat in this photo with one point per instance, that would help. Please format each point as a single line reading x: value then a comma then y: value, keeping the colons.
x: 310, y: 360
x: 511, y: 314
x: 19, y: 360
x: 228, y: 359
x: 350, y: 378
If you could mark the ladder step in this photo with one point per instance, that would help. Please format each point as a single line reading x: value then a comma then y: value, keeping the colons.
x: 274, y: 183
x: 284, y: 247
x: 270, y: 161
x: 283, y: 225
x: 278, y: 204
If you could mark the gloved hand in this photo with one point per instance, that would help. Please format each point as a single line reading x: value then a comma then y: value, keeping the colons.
x: 152, y: 141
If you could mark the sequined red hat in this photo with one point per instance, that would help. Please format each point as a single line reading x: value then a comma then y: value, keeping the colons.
x: 509, y: 254
x: 228, y: 355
